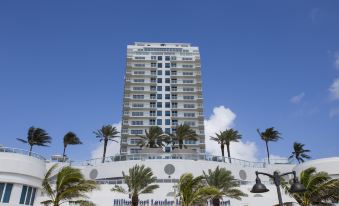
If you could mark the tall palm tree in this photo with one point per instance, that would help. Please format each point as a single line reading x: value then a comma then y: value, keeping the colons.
x: 36, y: 136
x: 223, y: 180
x: 68, y: 186
x: 321, y: 189
x: 226, y: 137
x: 139, y: 181
x: 269, y: 135
x: 153, y: 138
x: 184, y: 132
x: 299, y: 152
x: 70, y: 138
x: 193, y: 191
x: 106, y: 133
x: 220, y: 140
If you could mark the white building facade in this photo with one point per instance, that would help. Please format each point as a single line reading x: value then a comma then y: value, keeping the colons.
x: 162, y: 88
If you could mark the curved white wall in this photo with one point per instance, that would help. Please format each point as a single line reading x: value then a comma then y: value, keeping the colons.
x: 329, y: 165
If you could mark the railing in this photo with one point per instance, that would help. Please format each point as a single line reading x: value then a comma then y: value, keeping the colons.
x: 21, y: 151
x: 171, y: 156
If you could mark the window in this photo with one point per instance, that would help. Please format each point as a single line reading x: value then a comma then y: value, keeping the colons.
x: 174, y: 105
x: 188, y: 89
x: 174, y: 73
x: 153, y: 73
x: 173, y: 58
x: 174, y: 122
x: 159, y: 80
x: 138, y: 105
x: 135, y: 150
x: 153, y: 57
x: 139, y: 72
x: 138, y: 88
x: 187, y: 73
x: 159, y: 104
x: 159, y: 113
x: 137, y: 114
x: 159, y: 96
x: 167, y: 58
x: 137, y: 123
x: 167, y: 104
x: 159, y: 121
x: 187, y: 59
x: 152, y: 96
x: 167, y: 96
x: 136, y: 131
x: 159, y: 88
x: 167, y: 80
x: 187, y: 81
x: 189, y: 114
x: 190, y: 141
x: 189, y: 123
x: 174, y: 96
x: 124, y: 131
x: 189, y: 106
x: 152, y: 113
x: 153, y: 80
x: 135, y: 141
x: 167, y: 73
x: 167, y: 113
x: 153, y: 88
x: 167, y: 122
x: 139, y: 65
x: 137, y: 96
x: 152, y: 104
x: 139, y: 80
x: 187, y: 66
x: 159, y: 58
x: 5, y: 192
x: 174, y: 81
x: 153, y: 64
x: 152, y: 122
x: 167, y: 130
x: 159, y: 65
x: 167, y: 65
x: 173, y: 65
x: 139, y: 57
x: 188, y: 97
x: 27, y: 195
x: 167, y: 88
x: 159, y: 72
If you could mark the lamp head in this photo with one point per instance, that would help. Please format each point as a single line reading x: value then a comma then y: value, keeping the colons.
x: 259, y: 187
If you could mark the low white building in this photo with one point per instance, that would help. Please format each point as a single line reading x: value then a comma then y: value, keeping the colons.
x: 21, y: 175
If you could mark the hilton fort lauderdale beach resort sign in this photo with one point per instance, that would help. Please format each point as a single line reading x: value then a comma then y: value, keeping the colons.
x: 154, y: 202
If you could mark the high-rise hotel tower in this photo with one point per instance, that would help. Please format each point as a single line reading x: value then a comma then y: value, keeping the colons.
x: 162, y: 88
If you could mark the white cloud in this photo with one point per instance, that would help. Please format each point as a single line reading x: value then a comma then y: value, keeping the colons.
x: 297, y: 99
x: 223, y: 118
x: 334, y: 89
x: 113, y: 148
x: 334, y: 112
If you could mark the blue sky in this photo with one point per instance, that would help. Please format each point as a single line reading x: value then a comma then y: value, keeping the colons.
x: 62, y: 65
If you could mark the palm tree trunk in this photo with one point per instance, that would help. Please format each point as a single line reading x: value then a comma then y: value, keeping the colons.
x: 105, y: 147
x: 135, y: 200
x: 268, y: 153
x: 229, y: 153
x: 63, y: 154
x: 222, y: 147
x: 181, y: 142
x: 30, y: 150
x: 216, y: 201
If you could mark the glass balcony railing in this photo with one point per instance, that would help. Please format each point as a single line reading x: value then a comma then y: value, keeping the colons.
x: 21, y: 151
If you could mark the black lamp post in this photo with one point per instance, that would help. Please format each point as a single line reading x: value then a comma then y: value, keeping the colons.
x: 296, y: 187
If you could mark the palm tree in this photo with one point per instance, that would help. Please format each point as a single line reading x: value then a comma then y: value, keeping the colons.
x: 299, y: 152
x: 226, y: 137
x: 220, y: 140
x: 153, y: 137
x: 36, y: 136
x: 223, y: 180
x: 67, y: 186
x: 183, y: 132
x: 321, y: 189
x: 106, y: 133
x: 70, y: 138
x: 139, y: 181
x: 193, y: 191
x: 269, y: 135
